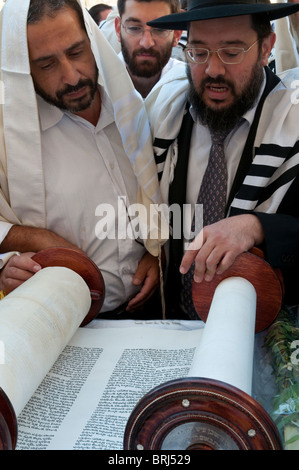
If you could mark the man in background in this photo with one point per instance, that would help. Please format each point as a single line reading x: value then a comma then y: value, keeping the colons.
x: 146, y: 51
x: 294, y: 25
x: 286, y: 50
x: 100, y: 12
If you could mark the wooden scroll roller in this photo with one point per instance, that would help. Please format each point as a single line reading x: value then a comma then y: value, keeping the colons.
x: 267, y: 282
x: 37, y: 320
x: 213, y: 409
x: 8, y: 423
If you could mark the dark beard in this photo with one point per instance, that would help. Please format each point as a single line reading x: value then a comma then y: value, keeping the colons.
x: 225, y: 119
x: 145, y: 69
x: 81, y: 104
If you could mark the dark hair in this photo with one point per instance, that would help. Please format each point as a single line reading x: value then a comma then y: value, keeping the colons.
x: 262, y: 25
x: 96, y: 11
x: 184, y: 4
x: 175, y: 5
x: 40, y: 8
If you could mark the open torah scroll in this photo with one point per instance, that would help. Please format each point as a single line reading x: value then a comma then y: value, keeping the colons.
x: 75, y: 388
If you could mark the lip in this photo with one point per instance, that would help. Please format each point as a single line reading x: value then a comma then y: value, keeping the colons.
x: 77, y: 94
x: 145, y: 55
x: 217, y: 91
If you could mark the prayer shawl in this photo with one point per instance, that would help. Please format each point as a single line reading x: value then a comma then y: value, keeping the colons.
x: 21, y: 172
x: 275, y: 155
x: 285, y: 51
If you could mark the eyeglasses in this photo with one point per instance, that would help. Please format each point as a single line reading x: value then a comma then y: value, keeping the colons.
x: 138, y: 31
x: 228, y: 55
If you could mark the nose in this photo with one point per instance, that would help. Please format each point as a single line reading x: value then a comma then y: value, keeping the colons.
x: 146, y: 40
x: 214, y: 66
x: 69, y: 73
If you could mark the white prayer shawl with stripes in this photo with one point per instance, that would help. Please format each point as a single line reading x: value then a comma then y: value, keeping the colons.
x: 21, y: 171
x: 276, y: 148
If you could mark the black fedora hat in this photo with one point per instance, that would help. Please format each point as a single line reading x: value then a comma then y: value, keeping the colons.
x: 211, y: 9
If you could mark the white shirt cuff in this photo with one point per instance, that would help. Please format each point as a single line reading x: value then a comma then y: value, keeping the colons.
x: 4, y: 257
x: 4, y: 229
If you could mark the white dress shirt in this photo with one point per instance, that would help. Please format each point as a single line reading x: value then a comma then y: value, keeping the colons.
x: 85, y: 167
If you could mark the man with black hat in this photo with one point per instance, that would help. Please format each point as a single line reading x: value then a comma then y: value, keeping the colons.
x: 231, y: 91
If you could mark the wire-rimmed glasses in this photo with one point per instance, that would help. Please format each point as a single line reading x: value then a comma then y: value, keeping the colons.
x: 228, y: 55
x: 138, y: 31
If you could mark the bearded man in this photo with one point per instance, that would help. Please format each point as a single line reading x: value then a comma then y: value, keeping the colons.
x: 230, y: 90
x: 146, y: 51
x: 68, y: 154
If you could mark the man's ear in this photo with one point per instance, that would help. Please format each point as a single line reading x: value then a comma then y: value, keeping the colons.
x: 267, y: 46
x: 176, y: 37
x: 117, y: 24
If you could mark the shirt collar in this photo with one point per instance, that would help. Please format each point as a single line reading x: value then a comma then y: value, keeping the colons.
x: 50, y: 115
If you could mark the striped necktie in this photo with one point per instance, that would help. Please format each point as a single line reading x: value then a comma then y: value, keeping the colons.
x: 212, y: 197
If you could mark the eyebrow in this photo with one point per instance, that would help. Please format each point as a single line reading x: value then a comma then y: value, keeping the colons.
x: 133, y: 19
x: 69, y: 49
x: 234, y: 42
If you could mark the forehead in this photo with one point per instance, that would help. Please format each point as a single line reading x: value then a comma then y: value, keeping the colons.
x: 52, y: 33
x: 145, y: 11
x: 236, y: 28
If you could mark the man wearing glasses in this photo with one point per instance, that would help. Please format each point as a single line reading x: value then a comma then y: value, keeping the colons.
x: 231, y: 91
x: 146, y: 51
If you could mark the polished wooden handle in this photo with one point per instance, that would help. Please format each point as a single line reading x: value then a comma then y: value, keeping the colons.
x: 199, y: 414
x: 8, y: 423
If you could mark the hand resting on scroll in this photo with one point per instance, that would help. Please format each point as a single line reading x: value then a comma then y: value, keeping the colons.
x: 21, y: 267
x: 28, y: 240
x: 18, y: 269
x: 216, y: 247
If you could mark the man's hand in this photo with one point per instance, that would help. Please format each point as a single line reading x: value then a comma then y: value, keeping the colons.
x: 27, y: 240
x: 18, y: 269
x: 216, y: 247
x: 147, y: 275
